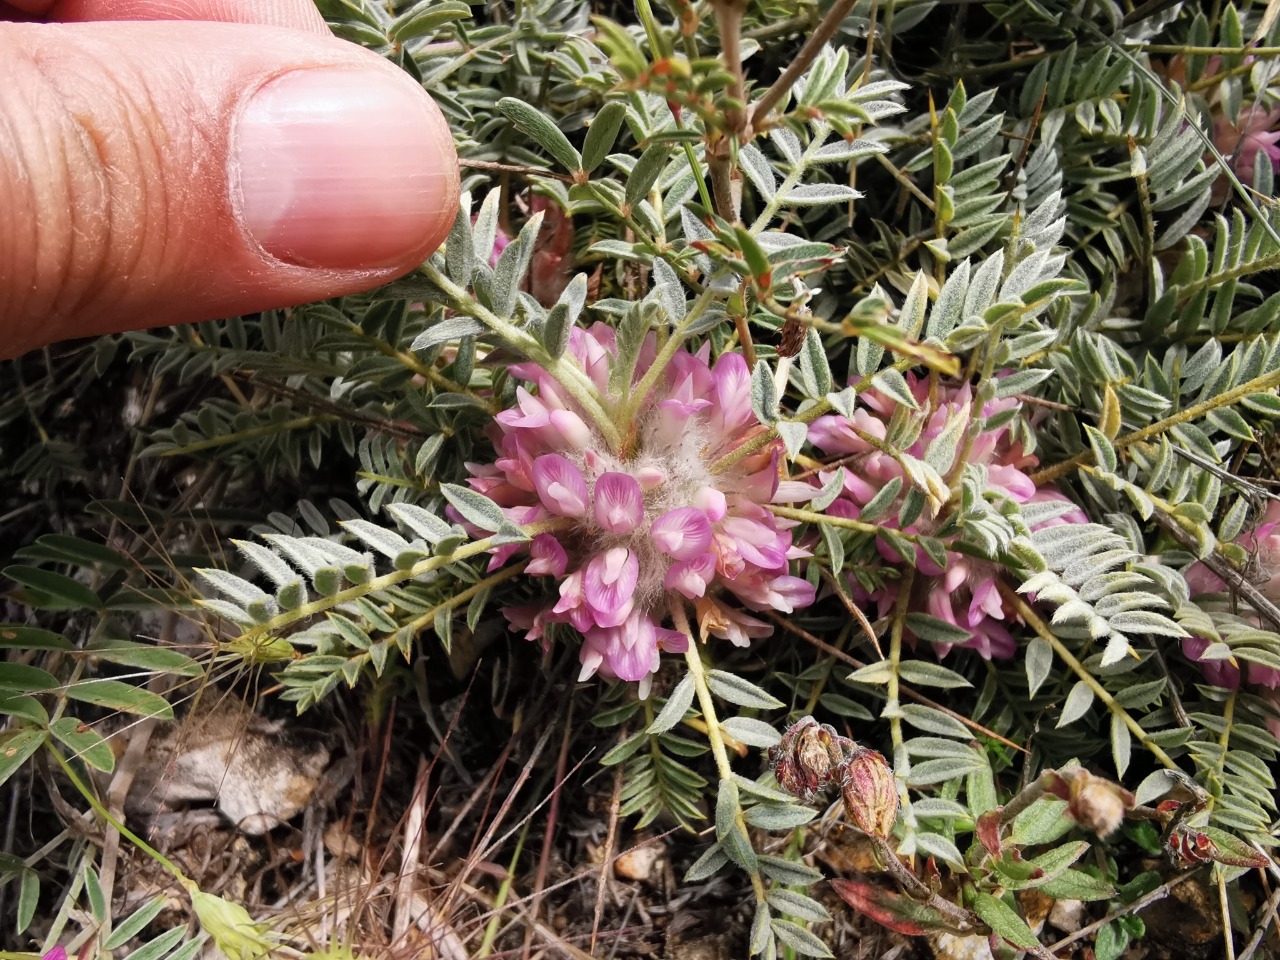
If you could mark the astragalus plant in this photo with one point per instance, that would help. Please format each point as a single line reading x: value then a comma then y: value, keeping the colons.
x: 900, y: 384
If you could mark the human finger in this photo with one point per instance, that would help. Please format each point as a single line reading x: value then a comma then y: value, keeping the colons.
x: 141, y: 184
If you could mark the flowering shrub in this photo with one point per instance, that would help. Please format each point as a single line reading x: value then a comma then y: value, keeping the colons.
x: 962, y: 398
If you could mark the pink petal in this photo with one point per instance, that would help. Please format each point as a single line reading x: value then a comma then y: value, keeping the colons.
x: 549, y: 558
x: 619, y: 502
x: 732, y: 382
x: 1220, y: 673
x: 650, y: 478
x: 1264, y: 676
x: 757, y: 542
x: 682, y: 533
x: 690, y: 577
x: 560, y: 485
x: 572, y: 429
x: 992, y: 641
x: 572, y: 606
x: 712, y: 502
x: 609, y: 584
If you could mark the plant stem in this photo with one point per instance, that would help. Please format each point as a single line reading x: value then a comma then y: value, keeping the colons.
x: 458, y: 599
x: 563, y: 371
x: 124, y: 831
x: 1268, y: 381
x: 1042, y: 630
x: 795, y: 70
x: 813, y: 516
x: 694, y: 660
x: 268, y: 429
x: 321, y: 604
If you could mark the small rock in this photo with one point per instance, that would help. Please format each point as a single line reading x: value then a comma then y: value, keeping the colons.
x: 1067, y: 915
x: 339, y: 843
x: 638, y: 863
x: 257, y: 774
x: 948, y: 946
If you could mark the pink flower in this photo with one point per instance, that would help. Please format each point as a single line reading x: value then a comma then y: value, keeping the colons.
x: 1226, y: 672
x: 57, y: 953
x: 653, y: 525
x: 1262, y: 543
x: 1253, y: 133
x: 683, y: 533
x: 964, y: 593
x: 560, y: 485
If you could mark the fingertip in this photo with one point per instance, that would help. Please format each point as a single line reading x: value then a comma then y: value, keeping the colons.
x: 344, y: 169
x: 292, y: 14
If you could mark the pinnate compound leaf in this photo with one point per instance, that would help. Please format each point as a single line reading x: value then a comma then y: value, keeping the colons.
x: 132, y: 925
x: 426, y: 18
x: 16, y: 636
x: 161, y: 945
x: 474, y: 507
x: 797, y: 905
x: 706, y: 865
x: 602, y: 133
x: 752, y: 732
x: 1077, y: 885
x: 760, y: 929
x: 802, y: 941
x: 771, y: 816
x: 53, y: 591
x: 790, y: 872
x: 85, y: 743
x: 115, y: 695
x: 1079, y: 700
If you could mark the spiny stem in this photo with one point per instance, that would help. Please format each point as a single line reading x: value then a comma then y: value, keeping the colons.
x: 1267, y: 381
x: 1042, y: 630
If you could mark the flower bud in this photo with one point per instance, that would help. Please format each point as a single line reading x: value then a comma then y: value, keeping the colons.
x: 234, y: 932
x: 807, y: 757
x: 1096, y: 803
x: 870, y: 793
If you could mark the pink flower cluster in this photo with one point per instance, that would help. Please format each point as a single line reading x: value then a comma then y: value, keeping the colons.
x: 964, y: 593
x: 639, y: 530
x: 1263, y: 545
